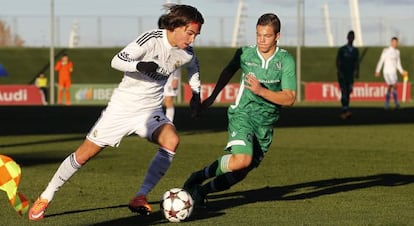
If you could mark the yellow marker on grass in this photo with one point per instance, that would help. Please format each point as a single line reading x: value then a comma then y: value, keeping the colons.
x: 10, y: 174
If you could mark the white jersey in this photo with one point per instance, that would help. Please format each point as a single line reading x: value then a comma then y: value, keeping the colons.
x: 144, y: 91
x: 390, y: 58
x: 136, y: 104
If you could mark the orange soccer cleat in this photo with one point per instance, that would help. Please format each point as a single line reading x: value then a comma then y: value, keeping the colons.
x: 38, y: 209
x: 140, y: 205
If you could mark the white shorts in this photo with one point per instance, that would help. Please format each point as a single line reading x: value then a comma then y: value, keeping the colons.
x: 390, y: 78
x: 114, y: 124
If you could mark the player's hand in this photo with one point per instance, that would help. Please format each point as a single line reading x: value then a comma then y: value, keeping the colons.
x: 195, y: 105
x: 405, y: 73
x: 253, y: 84
x: 147, y: 67
x: 377, y: 74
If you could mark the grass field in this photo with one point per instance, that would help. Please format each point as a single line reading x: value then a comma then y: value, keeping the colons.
x: 336, y: 175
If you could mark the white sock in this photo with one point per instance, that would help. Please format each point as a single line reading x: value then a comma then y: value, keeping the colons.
x: 169, y: 112
x: 159, y: 165
x: 67, y: 168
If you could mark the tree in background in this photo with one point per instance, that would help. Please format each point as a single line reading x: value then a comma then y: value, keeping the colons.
x: 7, y: 38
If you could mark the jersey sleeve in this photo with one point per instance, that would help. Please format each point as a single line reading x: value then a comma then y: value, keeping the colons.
x: 289, y: 73
x: 356, y: 56
x: 126, y: 60
x: 58, y: 66
x: 70, y: 66
x: 193, y: 73
x: 339, y: 59
x: 399, y: 66
x: 381, y: 61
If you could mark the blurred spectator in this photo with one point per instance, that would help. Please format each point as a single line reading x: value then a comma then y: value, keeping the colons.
x: 347, y: 65
x: 65, y: 68
x: 390, y: 59
x: 41, y: 83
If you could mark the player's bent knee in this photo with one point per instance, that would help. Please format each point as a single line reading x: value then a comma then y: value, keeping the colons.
x: 86, y: 151
x: 239, y: 162
x: 167, y: 137
x: 171, y: 143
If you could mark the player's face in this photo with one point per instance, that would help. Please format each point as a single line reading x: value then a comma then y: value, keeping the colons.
x: 394, y: 43
x: 351, y: 37
x: 182, y: 37
x: 266, y: 39
x: 65, y: 59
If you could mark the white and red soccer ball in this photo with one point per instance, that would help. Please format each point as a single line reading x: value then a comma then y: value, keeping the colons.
x: 177, y: 205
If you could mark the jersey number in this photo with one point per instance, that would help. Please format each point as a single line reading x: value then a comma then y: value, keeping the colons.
x: 158, y: 118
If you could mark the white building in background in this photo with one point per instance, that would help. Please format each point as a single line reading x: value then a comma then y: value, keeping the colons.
x: 356, y: 21
x: 328, y: 28
x: 74, y: 35
x: 238, y: 29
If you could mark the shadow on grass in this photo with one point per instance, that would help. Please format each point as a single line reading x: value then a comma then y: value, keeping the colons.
x: 153, y: 219
x: 218, y: 203
x: 306, y: 190
x: 49, y: 141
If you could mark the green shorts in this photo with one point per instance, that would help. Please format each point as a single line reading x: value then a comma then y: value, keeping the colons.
x: 246, y: 138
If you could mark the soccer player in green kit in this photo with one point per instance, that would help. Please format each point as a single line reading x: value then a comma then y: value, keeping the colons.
x: 268, y: 82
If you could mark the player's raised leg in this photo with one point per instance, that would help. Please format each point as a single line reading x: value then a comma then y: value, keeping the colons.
x: 228, y: 170
x: 67, y: 169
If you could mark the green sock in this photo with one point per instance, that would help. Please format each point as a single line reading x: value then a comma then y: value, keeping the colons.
x: 220, y: 183
x: 218, y: 167
x: 224, y: 181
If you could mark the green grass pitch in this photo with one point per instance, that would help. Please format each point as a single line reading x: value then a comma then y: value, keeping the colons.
x: 338, y: 175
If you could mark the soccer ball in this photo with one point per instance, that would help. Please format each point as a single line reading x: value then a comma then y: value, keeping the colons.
x: 177, y: 204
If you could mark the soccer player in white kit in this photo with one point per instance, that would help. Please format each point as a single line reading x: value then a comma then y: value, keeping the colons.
x: 136, y: 104
x: 390, y: 58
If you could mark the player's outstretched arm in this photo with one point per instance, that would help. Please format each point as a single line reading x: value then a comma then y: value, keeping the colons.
x: 380, y: 63
x: 224, y: 78
x: 128, y: 58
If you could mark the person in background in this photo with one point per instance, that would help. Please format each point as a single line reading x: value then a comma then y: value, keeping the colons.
x: 347, y: 65
x: 390, y: 59
x: 41, y: 83
x: 64, y: 67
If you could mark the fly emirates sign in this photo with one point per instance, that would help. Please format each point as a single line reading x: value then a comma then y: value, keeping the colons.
x: 362, y: 91
x: 227, y: 95
x: 314, y: 91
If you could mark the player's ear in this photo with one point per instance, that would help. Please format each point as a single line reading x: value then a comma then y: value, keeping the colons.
x: 277, y: 36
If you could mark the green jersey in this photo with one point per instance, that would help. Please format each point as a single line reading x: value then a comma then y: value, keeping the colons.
x: 276, y: 74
